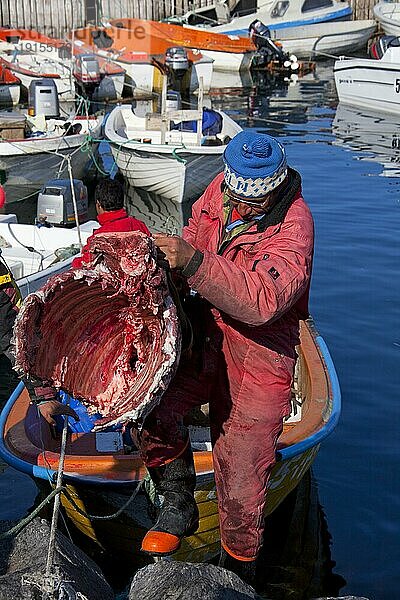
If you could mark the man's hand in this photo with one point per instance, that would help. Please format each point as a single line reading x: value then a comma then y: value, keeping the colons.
x: 52, y: 408
x: 177, y: 251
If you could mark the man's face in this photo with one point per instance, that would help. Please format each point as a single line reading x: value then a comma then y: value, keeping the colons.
x: 248, y: 209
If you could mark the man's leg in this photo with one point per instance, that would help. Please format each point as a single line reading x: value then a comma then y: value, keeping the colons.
x: 165, y: 447
x: 244, y: 454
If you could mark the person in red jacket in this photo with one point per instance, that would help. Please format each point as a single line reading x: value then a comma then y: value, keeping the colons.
x: 247, y: 254
x: 109, y: 197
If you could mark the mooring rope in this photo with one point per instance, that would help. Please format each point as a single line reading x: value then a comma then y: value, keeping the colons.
x: 56, y: 507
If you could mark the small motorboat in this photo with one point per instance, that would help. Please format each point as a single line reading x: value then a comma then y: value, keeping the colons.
x: 371, y: 83
x: 10, y: 86
x: 104, y: 476
x: 322, y: 39
x: 174, y: 155
x: 34, y: 55
x: 388, y: 16
x: 234, y: 18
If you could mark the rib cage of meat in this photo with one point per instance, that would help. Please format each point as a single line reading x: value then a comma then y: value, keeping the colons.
x: 107, y: 333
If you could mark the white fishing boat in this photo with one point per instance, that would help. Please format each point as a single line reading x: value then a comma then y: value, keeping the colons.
x: 388, y: 16
x: 233, y: 18
x: 28, y: 160
x: 30, y: 67
x: 33, y: 55
x: 321, y: 39
x: 369, y: 82
x: 174, y: 154
x: 373, y: 136
x: 35, y: 253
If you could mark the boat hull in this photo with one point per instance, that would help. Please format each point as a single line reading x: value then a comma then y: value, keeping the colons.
x: 178, y: 176
x: 314, y: 40
x: 370, y: 84
x: 388, y: 16
x: 292, y: 17
x: 231, y: 63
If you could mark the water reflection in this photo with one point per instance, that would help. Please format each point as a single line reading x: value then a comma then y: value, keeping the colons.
x: 159, y: 214
x: 296, y: 561
x: 375, y: 137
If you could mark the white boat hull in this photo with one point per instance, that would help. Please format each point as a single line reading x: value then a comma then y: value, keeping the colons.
x: 174, y: 164
x: 388, y: 16
x: 368, y: 83
x: 229, y: 61
x: 201, y: 69
x: 166, y: 176
x: 292, y: 16
x: 310, y: 41
x: 32, y: 269
x: 9, y: 94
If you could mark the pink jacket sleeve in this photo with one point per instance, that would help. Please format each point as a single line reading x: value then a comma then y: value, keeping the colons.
x: 278, y: 274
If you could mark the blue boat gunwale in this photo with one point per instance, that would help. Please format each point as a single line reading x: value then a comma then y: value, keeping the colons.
x: 283, y: 454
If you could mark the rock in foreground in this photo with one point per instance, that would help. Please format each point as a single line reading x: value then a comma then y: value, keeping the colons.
x: 187, y: 581
x: 23, y: 563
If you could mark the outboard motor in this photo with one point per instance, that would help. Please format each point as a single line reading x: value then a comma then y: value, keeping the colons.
x: 55, y: 202
x: 177, y: 61
x: 173, y: 100
x: 378, y: 48
x: 87, y: 70
x: 43, y: 98
x: 260, y: 35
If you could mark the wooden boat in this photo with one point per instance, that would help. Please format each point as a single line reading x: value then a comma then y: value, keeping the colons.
x: 321, y: 39
x: 173, y: 163
x: 229, y: 53
x: 388, y: 16
x: 34, y: 55
x: 10, y: 86
x: 35, y: 253
x: 234, y: 18
x: 143, y: 69
x: 28, y: 162
x: 101, y: 475
x: 370, y: 83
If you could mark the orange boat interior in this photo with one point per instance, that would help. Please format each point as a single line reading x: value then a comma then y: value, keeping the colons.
x: 28, y: 436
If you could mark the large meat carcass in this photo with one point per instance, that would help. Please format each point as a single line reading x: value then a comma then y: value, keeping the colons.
x: 107, y: 333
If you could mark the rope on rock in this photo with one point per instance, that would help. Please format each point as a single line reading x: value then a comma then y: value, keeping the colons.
x: 56, y: 509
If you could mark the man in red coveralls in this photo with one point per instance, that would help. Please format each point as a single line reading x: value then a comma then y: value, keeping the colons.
x: 247, y: 252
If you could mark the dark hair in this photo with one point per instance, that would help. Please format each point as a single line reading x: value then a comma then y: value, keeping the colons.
x: 109, y: 194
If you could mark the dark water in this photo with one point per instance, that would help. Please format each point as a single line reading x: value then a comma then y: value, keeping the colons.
x: 348, y: 162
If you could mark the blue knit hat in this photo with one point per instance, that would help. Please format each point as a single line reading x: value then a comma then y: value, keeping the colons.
x: 255, y: 164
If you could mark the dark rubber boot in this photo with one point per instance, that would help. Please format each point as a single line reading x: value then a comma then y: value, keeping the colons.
x: 245, y: 569
x: 179, y: 515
